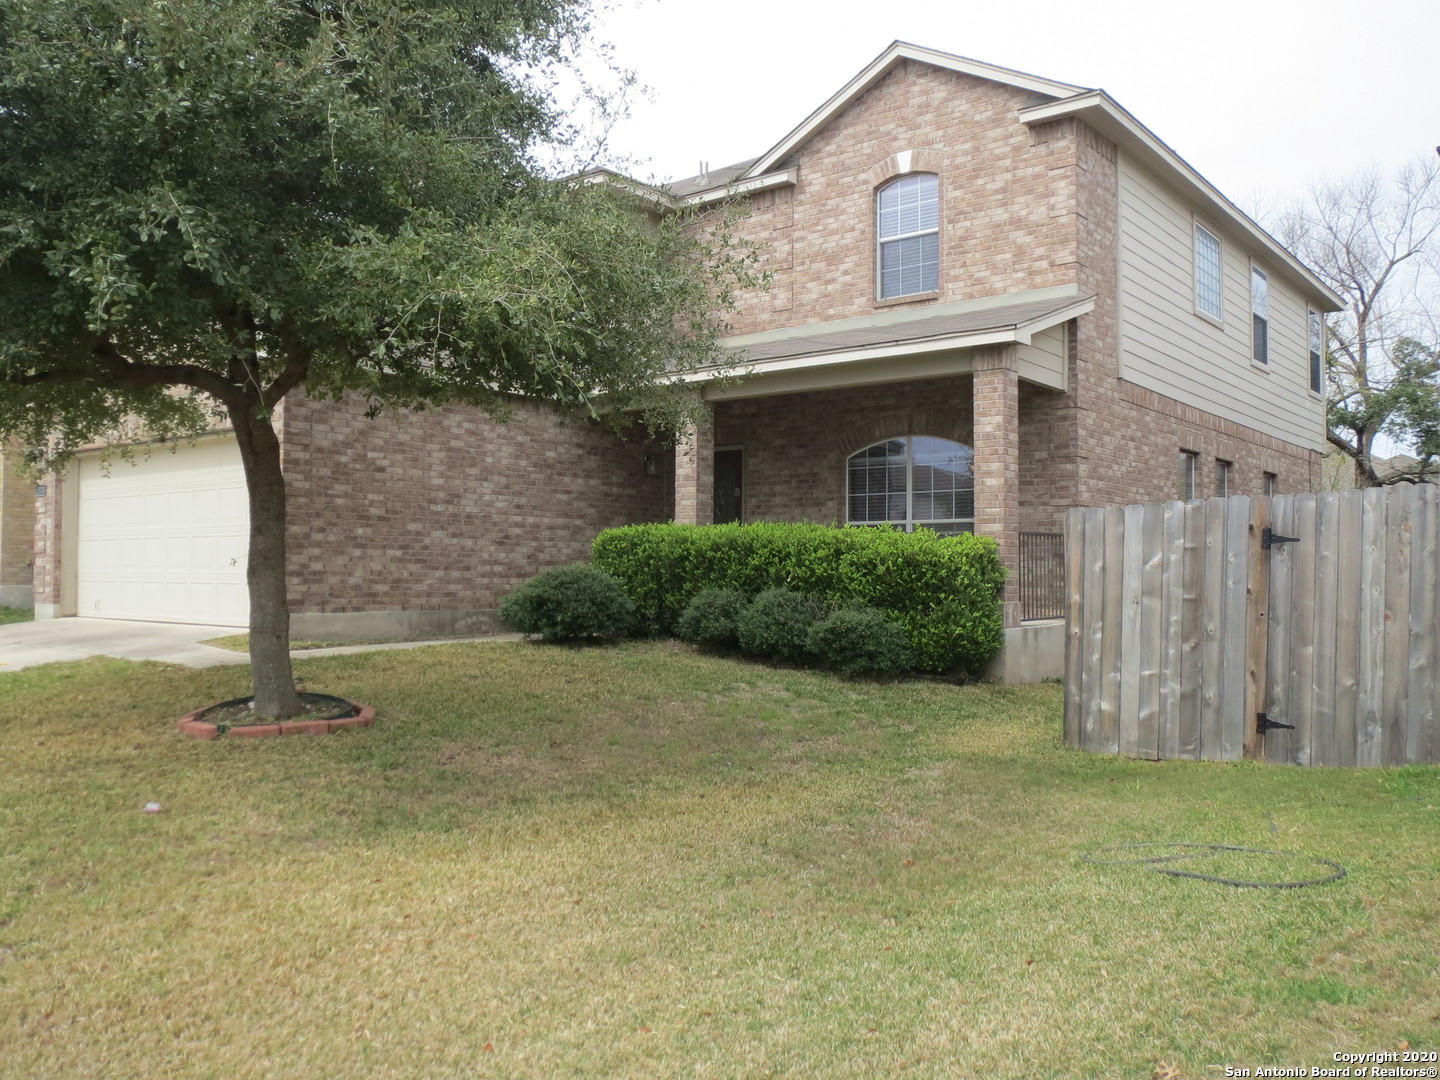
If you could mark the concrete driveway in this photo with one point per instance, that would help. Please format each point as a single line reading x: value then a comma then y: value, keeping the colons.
x: 25, y: 644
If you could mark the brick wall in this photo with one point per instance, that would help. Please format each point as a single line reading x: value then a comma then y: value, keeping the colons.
x: 448, y: 510
x: 1006, y: 221
x: 795, y: 446
x: 17, y: 527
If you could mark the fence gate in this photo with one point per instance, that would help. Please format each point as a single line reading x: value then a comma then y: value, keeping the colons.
x: 1299, y: 629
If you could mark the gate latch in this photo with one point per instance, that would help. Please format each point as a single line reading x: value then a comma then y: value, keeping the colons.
x: 1269, y: 538
x: 1263, y: 723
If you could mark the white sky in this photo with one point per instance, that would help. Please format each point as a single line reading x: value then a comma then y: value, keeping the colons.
x: 1261, y: 96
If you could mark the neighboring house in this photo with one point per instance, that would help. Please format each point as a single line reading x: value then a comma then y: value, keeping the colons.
x: 1337, y: 471
x: 994, y: 297
x: 17, y: 534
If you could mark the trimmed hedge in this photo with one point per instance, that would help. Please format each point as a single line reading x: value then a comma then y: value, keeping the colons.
x: 943, y: 591
x: 569, y: 603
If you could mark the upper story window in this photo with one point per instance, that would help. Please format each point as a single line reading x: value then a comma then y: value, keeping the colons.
x: 1317, y: 351
x: 908, y: 219
x: 918, y: 480
x: 1260, y: 315
x: 1207, y: 272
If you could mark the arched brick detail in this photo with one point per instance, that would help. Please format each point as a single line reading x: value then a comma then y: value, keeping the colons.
x: 942, y: 423
x: 923, y: 160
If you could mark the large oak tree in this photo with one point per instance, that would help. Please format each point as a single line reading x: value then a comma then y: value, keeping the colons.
x: 206, y: 205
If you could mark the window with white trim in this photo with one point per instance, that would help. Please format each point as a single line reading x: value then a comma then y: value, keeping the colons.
x: 1260, y: 315
x: 907, y: 214
x: 1189, y: 465
x: 1207, y: 272
x: 1222, y: 477
x: 1317, y: 352
x: 915, y: 481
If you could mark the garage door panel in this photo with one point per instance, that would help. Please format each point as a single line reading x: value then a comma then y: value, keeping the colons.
x: 165, y: 539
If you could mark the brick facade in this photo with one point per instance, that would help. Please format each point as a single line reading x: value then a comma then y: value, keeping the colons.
x: 17, y: 535
x: 447, y: 510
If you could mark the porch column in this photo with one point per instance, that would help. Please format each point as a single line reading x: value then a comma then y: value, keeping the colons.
x: 695, y: 475
x: 996, y: 409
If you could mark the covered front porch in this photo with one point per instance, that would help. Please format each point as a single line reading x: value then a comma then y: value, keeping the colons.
x: 958, y: 420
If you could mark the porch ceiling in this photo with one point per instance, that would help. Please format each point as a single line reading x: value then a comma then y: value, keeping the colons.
x: 897, y: 345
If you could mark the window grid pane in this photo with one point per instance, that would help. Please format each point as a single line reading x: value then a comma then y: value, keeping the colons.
x: 1207, y: 272
x: 914, y: 482
x: 1317, y: 351
x: 908, y: 222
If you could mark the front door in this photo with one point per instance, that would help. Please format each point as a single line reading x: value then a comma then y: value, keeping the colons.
x: 727, y: 486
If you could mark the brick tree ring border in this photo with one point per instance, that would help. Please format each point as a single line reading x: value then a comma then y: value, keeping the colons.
x: 363, y: 716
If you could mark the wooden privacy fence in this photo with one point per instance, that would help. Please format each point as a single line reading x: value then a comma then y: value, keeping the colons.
x: 1195, y: 629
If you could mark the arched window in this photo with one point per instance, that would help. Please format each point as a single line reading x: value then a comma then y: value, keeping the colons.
x: 908, y: 227
x: 917, y: 480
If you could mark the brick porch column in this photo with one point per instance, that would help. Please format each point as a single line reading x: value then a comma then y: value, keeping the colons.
x: 997, y: 462
x: 695, y: 475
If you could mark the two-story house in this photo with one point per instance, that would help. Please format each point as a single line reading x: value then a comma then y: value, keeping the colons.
x: 994, y: 296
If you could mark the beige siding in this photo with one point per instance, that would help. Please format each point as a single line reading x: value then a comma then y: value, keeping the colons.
x: 1166, y: 346
x: 1043, y: 360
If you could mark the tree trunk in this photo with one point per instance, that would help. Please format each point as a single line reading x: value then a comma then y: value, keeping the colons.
x: 275, y: 694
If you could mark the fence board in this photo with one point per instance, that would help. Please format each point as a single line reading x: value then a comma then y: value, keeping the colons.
x: 1094, y: 627
x: 1152, y: 640
x: 1212, y: 619
x: 1419, y: 699
x: 1233, y: 626
x: 1172, y: 616
x: 1324, y: 748
x: 1295, y: 745
x: 1371, y: 626
x: 1074, y: 622
x: 1132, y: 646
x: 1258, y: 629
x: 1192, y: 629
x: 1398, y: 525
x: 1347, y: 630
x: 1108, y: 732
x: 1282, y: 513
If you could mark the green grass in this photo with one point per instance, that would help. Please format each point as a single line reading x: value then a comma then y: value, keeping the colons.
x: 15, y: 614
x: 644, y: 862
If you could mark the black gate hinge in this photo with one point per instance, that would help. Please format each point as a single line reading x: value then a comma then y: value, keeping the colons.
x: 1269, y: 538
x: 1263, y: 724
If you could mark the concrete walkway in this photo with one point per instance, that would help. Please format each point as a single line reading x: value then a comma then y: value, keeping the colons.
x: 27, y: 644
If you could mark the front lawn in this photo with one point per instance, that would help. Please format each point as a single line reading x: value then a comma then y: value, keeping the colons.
x: 643, y: 862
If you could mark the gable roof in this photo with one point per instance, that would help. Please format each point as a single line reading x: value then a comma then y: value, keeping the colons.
x: 881, y: 66
x: 1054, y: 100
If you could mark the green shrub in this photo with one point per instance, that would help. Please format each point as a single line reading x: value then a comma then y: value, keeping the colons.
x: 569, y: 603
x: 711, y: 618
x: 941, y: 590
x: 861, y: 641
x: 777, y: 624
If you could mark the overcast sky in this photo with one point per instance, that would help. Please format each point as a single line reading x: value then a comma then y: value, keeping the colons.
x: 1261, y: 96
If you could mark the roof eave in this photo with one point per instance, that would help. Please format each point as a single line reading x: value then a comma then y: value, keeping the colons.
x: 878, y: 68
x: 1106, y: 116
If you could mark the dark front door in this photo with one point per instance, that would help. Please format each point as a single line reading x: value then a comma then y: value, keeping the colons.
x: 727, y: 486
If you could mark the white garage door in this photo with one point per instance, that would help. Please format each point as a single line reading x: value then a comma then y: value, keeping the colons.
x: 165, y: 539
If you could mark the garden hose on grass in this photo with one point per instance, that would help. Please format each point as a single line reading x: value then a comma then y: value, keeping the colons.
x: 1196, y: 851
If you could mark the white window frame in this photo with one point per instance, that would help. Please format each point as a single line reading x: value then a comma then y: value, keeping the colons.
x: 1222, y: 477
x: 1259, y: 316
x: 910, y: 523
x: 1218, y: 315
x: 881, y: 240
x: 1189, y: 473
x: 1315, y: 354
